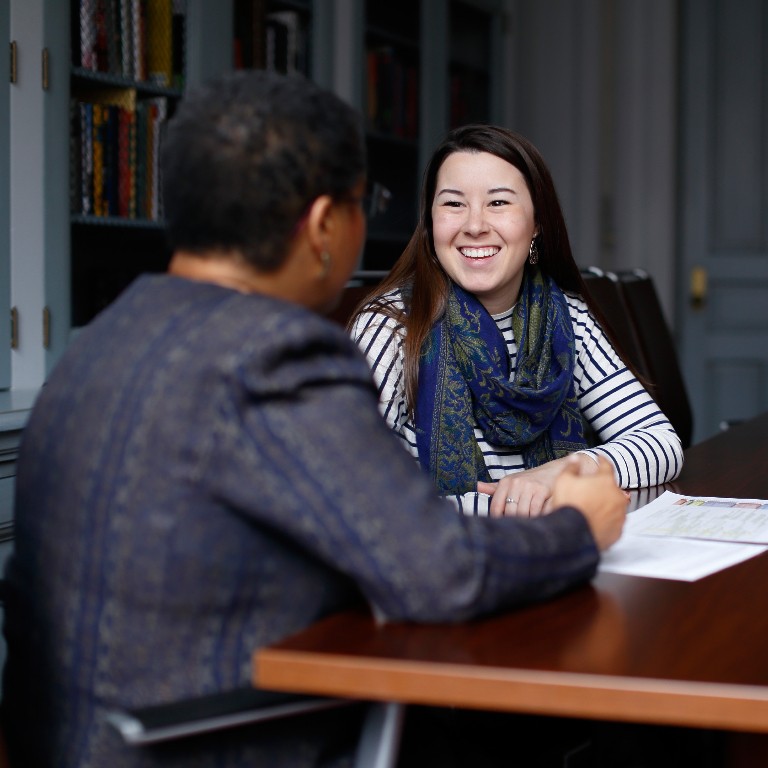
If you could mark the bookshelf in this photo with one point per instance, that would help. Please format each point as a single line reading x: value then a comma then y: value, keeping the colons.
x: 273, y: 34
x: 391, y: 106
x: 127, y: 73
x: 439, y: 59
x: 138, y: 76
x: 470, y: 63
x: 413, y: 68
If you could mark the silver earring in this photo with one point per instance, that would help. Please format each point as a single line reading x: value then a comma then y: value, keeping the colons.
x: 533, y: 253
x: 325, y: 260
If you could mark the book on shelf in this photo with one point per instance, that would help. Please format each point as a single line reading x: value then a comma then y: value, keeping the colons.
x: 392, y: 93
x: 250, y: 31
x: 136, y: 22
x: 115, y: 151
x: 159, y: 24
x: 286, y: 42
x: 178, y: 44
x: 135, y: 39
x: 75, y: 155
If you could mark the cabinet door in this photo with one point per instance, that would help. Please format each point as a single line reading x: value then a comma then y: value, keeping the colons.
x: 5, y: 200
x: 38, y: 173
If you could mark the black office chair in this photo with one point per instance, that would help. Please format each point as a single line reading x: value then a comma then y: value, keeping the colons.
x: 216, y: 712
x: 630, y: 306
x: 378, y: 745
x: 360, y: 286
x: 658, y: 348
x: 604, y: 290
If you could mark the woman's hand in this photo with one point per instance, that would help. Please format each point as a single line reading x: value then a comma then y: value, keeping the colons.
x: 528, y: 493
x: 597, y: 497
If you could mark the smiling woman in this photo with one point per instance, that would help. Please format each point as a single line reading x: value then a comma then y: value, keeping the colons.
x: 492, y: 364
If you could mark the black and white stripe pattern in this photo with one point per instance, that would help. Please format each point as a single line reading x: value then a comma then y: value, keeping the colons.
x: 631, y: 431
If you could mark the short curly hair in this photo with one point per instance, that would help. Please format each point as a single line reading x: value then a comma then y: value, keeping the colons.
x: 245, y: 155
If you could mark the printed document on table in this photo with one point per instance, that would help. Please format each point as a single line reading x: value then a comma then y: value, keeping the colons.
x: 686, y: 538
x: 706, y: 517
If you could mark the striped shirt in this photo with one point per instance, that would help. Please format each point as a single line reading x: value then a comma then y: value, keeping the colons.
x: 629, y: 428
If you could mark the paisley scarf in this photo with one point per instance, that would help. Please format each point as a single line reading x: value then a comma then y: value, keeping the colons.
x: 464, y: 375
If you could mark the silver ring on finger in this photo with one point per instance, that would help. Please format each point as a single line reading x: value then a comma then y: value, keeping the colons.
x: 511, y: 500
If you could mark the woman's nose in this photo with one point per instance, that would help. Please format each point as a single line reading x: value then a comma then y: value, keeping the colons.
x: 476, y: 222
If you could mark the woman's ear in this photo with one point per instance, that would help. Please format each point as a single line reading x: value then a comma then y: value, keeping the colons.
x: 320, y: 223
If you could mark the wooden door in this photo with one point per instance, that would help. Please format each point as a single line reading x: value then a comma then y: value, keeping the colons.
x: 723, y: 209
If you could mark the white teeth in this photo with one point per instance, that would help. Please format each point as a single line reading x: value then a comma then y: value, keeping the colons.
x: 479, y: 253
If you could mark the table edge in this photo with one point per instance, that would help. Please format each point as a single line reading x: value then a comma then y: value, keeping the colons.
x: 726, y: 706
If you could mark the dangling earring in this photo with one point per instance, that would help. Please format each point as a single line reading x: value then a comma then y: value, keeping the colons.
x: 533, y: 253
x: 325, y: 260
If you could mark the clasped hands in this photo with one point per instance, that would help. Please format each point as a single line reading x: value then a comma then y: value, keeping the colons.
x: 575, y: 481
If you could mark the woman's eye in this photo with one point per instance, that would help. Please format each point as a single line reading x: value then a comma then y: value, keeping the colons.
x: 452, y: 204
x: 498, y: 203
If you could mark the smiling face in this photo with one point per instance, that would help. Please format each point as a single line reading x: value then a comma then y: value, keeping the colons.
x: 483, y: 223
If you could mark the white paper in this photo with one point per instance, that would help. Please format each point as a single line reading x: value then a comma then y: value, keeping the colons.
x: 687, y: 537
x: 702, y: 517
x: 673, y: 558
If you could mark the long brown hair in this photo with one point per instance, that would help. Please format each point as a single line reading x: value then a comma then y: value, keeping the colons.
x: 418, y: 272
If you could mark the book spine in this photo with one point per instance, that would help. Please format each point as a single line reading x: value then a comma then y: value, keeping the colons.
x: 159, y: 27
x: 98, y: 160
x: 179, y: 43
x: 123, y: 159
x: 140, y: 174
x: 126, y: 27
x: 86, y: 128
x: 131, y: 164
x: 137, y: 48
x: 88, y: 34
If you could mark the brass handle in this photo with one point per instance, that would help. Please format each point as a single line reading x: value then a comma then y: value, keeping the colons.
x: 46, y: 69
x: 698, y: 287
x: 14, y: 328
x: 14, y: 62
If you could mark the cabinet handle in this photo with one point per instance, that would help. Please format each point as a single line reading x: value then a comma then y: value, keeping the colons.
x: 46, y: 327
x: 46, y: 64
x: 14, y: 62
x: 14, y: 328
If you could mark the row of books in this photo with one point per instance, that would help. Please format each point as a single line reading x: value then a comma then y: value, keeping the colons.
x: 278, y: 40
x: 286, y: 47
x: 114, y: 147
x: 140, y: 40
x: 393, y: 93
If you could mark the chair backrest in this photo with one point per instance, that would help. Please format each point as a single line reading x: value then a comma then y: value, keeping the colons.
x: 351, y: 296
x: 604, y: 290
x: 361, y: 285
x: 658, y: 348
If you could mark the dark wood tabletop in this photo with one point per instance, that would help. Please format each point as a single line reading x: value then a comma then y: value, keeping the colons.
x: 621, y: 648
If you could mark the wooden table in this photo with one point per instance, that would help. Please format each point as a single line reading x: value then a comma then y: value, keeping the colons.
x: 622, y: 648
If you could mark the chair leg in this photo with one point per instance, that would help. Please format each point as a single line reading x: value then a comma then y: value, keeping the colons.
x: 380, y: 740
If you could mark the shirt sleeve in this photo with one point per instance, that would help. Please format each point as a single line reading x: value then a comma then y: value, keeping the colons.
x: 380, y: 339
x: 630, y: 429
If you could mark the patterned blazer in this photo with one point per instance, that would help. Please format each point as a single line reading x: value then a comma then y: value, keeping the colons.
x: 206, y: 472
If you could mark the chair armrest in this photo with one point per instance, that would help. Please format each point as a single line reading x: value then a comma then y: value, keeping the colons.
x: 163, y: 722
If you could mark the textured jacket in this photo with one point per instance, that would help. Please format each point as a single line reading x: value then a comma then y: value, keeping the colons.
x: 204, y: 473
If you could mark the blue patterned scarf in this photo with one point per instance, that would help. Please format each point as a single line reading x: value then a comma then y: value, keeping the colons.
x: 464, y: 377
